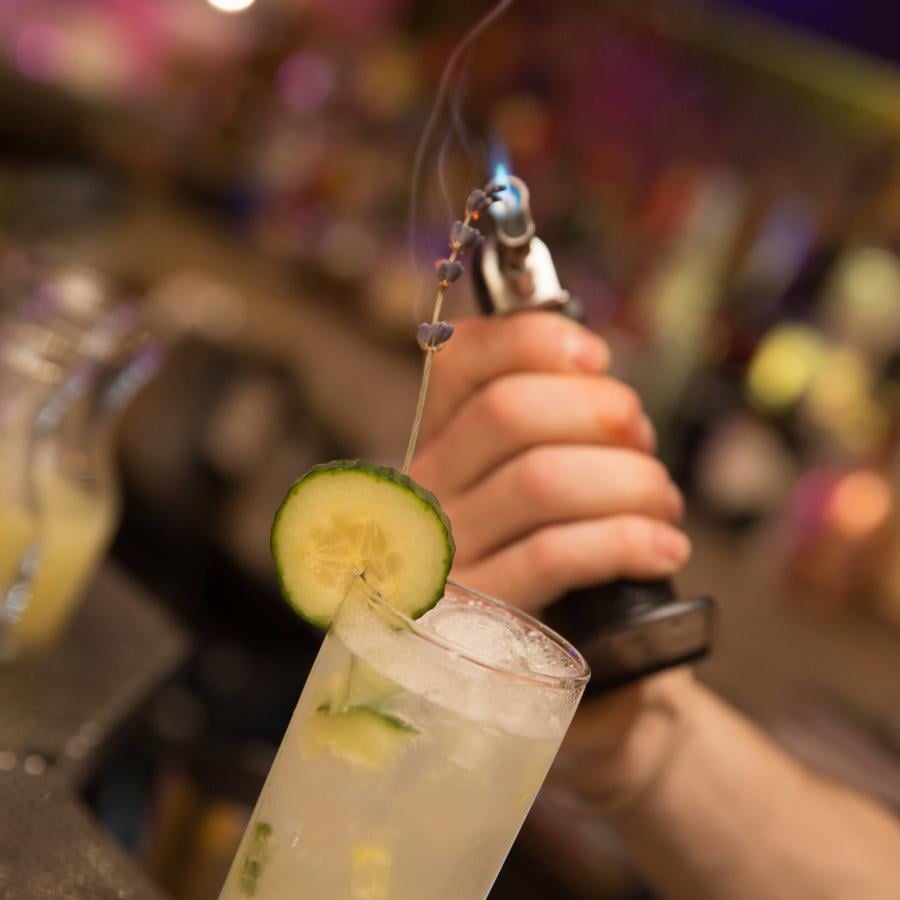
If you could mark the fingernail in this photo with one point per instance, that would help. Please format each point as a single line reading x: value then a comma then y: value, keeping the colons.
x: 676, y: 503
x: 673, y: 545
x: 587, y: 352
x: 645, y: 434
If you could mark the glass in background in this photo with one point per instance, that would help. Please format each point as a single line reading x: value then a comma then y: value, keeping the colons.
x: 27, y: 379
x: 63, y: 452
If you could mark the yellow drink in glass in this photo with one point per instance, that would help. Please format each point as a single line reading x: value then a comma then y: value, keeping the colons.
x: 75, y: 529
x: 414, y: 754
x: 18, y: 528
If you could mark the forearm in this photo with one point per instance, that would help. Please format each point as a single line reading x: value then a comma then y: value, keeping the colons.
x: 731, y: 815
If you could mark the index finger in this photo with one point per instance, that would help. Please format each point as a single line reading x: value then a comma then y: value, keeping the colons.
x: 484, y: 348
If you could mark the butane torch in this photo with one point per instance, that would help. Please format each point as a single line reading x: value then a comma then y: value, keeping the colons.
x: 625, y: 629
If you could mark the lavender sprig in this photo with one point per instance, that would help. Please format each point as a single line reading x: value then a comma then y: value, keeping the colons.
x: 432, y: 336
x: 464, y: 236
x: 448, y: 271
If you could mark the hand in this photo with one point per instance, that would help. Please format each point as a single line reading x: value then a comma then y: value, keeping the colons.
x: 542, y: 462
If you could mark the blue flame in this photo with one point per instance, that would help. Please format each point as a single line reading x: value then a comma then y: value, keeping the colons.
x: 509, y: 198
x: 498, y: 157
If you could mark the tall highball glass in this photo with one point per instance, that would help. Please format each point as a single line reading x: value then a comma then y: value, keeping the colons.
x: 414, y: 753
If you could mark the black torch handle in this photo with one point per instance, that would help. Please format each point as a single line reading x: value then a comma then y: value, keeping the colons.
x: 627, y: 629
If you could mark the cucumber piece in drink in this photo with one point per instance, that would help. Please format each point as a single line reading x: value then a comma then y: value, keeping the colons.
x: 362, y: 736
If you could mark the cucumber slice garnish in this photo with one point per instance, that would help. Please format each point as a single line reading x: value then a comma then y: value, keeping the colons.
x: 362, y: 736
x: 347, y: 517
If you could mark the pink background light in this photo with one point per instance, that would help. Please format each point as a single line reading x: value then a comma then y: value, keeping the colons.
x: 40, y: 52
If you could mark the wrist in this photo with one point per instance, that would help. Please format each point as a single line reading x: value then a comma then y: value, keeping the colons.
x: 619, y: 746
x: 654, y: 738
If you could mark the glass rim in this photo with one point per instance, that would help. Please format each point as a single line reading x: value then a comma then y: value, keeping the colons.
x: 544, y: 680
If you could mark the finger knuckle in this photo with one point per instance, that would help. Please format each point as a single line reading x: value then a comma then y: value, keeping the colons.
x: 655, y: 478
x: 607, y: 349
x: 539, y: 328
x: 626, y: 408
x: 633, y: 536
x: 630, y: 407
x: 500, y: 405
x: 547, y: 555
x: 535, y: 476
x: 544, y: 340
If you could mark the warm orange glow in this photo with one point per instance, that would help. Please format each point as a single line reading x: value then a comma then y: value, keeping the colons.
x: 860, y: 503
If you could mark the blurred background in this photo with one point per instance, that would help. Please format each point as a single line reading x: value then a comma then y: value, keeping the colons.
x: 720, y: 185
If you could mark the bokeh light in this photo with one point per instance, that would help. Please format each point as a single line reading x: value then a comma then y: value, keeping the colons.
x: 860, y: 503
x: 231, y: 6
x: 863, y: 300
x: 305, y: 81
x: 841, y: 384
x: 783, y: 366
x: 40, y: 52
x: 386, y: 81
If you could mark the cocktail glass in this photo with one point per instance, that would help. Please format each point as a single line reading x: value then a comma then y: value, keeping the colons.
x: 414, y: 753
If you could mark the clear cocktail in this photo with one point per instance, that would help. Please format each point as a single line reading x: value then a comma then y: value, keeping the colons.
x: 413, y: 756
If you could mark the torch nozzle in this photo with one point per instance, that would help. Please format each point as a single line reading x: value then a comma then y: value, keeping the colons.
x: 511, y: 214
x: 515, y: 270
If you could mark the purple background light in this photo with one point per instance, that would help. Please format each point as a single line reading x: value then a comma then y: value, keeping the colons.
x: 305, y: 81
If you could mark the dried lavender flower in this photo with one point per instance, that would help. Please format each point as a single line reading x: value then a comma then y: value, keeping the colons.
x: 475, y: 201
x: 433, y: 335
x: 479, y: 200
x: 448, y: 271
x: 463, y: 237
